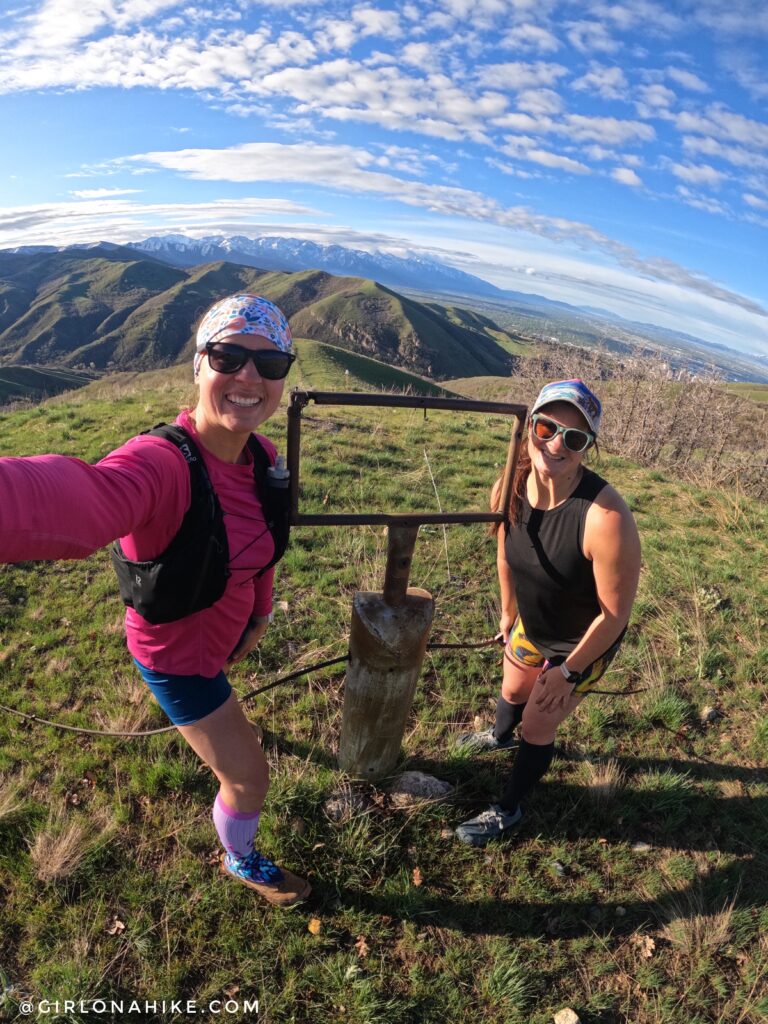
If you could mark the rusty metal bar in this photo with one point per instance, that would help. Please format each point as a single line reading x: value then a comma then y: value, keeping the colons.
x: 395, y: 518
x: 300, y: 398
x: 406, y: 402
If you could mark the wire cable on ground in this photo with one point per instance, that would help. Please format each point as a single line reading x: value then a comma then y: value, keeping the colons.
x: 125, y: 734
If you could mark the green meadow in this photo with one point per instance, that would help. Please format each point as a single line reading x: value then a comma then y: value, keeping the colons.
x: 636, y: 888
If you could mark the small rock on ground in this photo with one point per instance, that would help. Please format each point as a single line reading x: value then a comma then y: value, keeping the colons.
x: 344, y: 803
x: 410, y: 788
x: 567, y: 1016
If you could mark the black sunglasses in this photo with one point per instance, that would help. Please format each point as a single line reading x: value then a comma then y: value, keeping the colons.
x: 574, y: 440
x: 270, y: 364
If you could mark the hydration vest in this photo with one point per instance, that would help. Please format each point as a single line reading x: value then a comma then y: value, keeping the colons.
x: 192, y: 573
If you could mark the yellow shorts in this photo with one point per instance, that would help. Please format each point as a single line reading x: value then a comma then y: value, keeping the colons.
x: 520, y: 651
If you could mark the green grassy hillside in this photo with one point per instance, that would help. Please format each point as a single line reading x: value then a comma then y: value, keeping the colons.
x: 36, y: 382
x: 130, y: 312
x: 635, y: 890
x: 373, y: 320
x: 754, y: 392
x: 328, y: 368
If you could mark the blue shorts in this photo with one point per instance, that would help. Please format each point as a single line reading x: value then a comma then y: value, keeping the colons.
x: 186, y: 699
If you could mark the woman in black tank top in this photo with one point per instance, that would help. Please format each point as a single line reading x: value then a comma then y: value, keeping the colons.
x: 568, y: 562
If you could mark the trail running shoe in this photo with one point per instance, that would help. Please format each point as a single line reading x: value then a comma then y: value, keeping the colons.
x: 487, y: 825
x: 276, y: 885
x: 485, y: 740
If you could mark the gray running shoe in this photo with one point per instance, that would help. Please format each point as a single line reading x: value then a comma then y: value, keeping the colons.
x: 487, y: 825
x: 485, y: 740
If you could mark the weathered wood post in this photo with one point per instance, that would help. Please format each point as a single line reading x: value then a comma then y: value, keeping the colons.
x: 387, y: 643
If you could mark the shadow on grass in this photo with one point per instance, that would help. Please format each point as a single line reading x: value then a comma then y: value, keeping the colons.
x: 677, y: 817
x: 565, y: 917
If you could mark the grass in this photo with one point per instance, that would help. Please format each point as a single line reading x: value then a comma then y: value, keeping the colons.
x: 108, y: 885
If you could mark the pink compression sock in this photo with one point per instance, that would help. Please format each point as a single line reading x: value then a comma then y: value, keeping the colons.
x: 236, y: 829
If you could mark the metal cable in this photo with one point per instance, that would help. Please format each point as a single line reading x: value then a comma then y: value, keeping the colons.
x: 473, y: 645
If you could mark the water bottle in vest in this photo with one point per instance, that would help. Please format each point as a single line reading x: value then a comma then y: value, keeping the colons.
x: 279, y: 476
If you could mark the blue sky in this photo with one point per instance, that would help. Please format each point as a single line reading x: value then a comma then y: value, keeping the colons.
x: 604, y: 154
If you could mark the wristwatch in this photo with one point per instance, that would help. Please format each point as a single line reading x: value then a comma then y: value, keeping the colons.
x: 570, y: 675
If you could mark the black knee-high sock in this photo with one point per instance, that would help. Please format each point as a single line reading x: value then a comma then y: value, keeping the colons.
x: 530, y: 764
x: 507, y: 717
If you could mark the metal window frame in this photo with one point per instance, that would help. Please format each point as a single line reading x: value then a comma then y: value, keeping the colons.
x: 300, y: 398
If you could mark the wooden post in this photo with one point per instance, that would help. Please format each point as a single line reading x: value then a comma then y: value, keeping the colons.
x: 387, y: 643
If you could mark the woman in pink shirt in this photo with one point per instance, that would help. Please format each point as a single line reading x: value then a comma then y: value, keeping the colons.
x: 53, y: 506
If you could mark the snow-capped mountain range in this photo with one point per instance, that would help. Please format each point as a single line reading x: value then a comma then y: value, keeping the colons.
x: 292, y: 254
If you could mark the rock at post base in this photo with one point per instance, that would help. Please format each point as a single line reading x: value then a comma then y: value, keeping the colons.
x: 411, y: 788
x: 567, y: 1016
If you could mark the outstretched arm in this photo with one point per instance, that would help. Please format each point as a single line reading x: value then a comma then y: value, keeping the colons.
x: 53, y: 506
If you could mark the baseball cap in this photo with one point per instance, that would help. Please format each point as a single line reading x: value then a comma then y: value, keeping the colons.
x: 576, y: 393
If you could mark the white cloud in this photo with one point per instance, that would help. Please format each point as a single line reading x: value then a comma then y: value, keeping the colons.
x: 60, y: 23
x: 654, y: 101
x: 643, y: 14
x: 103, y: 193
x: 518, y: 75
x: 606, y: 130
x: 376, y: 22
x: 335, y: 35
x: 591, y: 37
x: 531, y: 37
x: 608, y: 82
x: 418, y: 55
x: 720, y: 122
x: 125, y: 220
x: 687, y: 79
x: 626, y: 176
x: 523, y: 148
x: 755, y: 201
x: 702, y: 174
x: 699, y: 202
x: 736, y: 155
x: 539, y: 101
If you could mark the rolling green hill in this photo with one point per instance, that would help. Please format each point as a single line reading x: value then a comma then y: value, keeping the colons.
x: 36, y: 382
x: 127, y: 312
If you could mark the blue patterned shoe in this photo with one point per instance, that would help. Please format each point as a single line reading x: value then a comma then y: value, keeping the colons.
x: 276, y: 885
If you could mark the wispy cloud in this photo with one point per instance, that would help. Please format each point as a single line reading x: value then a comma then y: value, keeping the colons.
x: 531, y: 37
x: 103, y: 193
x: 687, y: 79
x: 609, y: 82
x: 702, y: 174
x: 626, y: 176
x: 126, y: 220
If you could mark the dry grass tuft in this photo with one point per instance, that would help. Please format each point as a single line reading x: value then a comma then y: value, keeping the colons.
x: 603, y: 779
x: 9, y: 793
x: 57, y: 666
x: 129, y: 719
x: 692, y: 930
x: 61, y: 847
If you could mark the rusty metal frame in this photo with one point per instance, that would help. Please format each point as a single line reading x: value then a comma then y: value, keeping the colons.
x: 300, y: 398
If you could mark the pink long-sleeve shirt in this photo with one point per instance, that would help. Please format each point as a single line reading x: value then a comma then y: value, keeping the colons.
x: 56, y: 507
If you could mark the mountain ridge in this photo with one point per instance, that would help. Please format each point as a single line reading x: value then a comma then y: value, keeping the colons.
x: 116, y: 308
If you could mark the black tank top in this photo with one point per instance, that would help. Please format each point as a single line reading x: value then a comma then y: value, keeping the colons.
x: 554, y: 582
